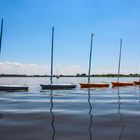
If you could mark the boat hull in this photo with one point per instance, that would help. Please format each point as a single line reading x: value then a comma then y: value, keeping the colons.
x: 94, y: 85
x: 136, y: 82
x: 13, y: 88
x: 117, y: 84
x: 58, y: 86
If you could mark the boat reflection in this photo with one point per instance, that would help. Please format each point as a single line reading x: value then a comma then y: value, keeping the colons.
x: 1, y: 115
x: 90, y: 116
x: 139, y: 94
x: 52, y: 115
x: 120, y: 114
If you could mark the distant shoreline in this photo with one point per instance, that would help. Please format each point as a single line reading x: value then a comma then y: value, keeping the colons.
x: 78, y: 75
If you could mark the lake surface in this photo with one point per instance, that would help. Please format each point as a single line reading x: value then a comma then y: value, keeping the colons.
x: 79, y: 114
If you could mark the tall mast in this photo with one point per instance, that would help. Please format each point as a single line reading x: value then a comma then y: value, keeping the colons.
x: 1, y: 34
x: 90, y: 59
x: 119, y: 59
x: 52, y: 55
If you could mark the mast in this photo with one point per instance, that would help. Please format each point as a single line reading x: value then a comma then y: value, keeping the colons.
x: 90, y: 58
x: 52, y: 55
x: 1, y: 33
x: 119, y: 59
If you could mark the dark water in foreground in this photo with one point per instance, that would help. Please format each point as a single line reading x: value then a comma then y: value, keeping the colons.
x: 79, y: 114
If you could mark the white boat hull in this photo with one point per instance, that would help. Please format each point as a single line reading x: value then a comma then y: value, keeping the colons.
x: 58, y: 86
x: 13, y: 88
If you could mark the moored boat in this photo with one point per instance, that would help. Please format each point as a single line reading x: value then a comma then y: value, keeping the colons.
x: 89, y: 84
x: 13, y: 88
x: 10, y: 87
x: 116, y: 84
x: 52, y: 85
x: 136, y: 82
x: 94, y: 85
x: 58, y: 86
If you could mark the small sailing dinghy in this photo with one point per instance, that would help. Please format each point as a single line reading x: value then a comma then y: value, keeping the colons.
x: 13, y: 88
x: 137, y: 82
x: 92, y: 85
x: 118, y: 83
x: 58, y: 86
x: 10, y: 87
x: 52, y: 85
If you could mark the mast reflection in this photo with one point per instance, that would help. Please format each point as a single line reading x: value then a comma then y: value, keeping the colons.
x: 52, y: 115
x: 139, y: 93
x: 120, y: 114
x: 1, y: 116
x: 90, y: 116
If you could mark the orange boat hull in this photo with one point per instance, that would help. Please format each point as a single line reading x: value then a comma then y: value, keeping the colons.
x: 93, y: 85
x: 136, y: 82
x: 116, y: 84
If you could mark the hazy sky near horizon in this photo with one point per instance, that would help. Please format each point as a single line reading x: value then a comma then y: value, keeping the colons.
x: 27, y: 35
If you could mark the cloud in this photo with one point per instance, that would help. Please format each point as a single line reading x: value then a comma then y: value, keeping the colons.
x: 74, y: 69
x: 36, y: 69
x: 18, y: 68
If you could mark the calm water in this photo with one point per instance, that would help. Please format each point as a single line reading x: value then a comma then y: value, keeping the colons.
x: 79, y: 114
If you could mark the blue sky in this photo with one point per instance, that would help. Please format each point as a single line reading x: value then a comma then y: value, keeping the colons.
x: 28, y: 23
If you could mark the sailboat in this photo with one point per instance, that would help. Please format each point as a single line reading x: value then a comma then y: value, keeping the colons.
x: 10, y: 87
x: 92, y: 85
x: 52, y: 85
x: 137, y: 82
x: 118, y: 83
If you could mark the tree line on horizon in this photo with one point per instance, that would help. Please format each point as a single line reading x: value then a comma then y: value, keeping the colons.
x: 77, y: 75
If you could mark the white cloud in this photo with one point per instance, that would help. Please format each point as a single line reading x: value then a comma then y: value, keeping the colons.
x: 32, y: 69
x: 18, y: 68
x: 74, y: 69
x: 35, y: 69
